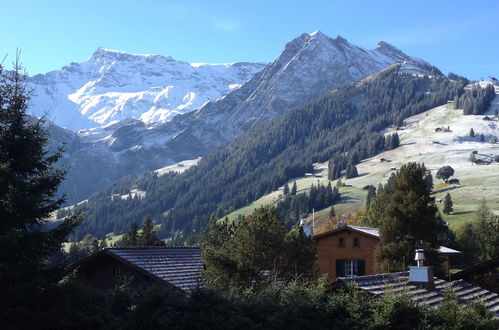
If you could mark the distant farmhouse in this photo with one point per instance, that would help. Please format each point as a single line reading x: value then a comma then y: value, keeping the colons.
x: 178, y: 267
x: 442, y: 129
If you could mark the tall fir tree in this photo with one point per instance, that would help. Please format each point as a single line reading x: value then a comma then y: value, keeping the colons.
x: 294, y: 189
x: 130, y: 238
x: 147, y: 236
x: 286, y: 189
x: 371, y: 192
x: 395, y: 141
x: 29, y: 179
x: 448, y: 204
x: 429, y: 180
x: 410, y: 221
x: 332, y: 212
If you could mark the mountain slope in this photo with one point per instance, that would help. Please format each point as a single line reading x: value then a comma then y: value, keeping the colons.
x: 113, y: 85
x: 418, y: 142
x: 348, y: 118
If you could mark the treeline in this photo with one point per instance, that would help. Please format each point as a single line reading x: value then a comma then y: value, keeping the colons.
x: 296, y: 206
x: 344, y: 123
x: 294, y: 306
x: 476, y: 100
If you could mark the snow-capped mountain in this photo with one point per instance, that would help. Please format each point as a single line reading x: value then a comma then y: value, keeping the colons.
x: 308, y: 67
x: 113, y: 85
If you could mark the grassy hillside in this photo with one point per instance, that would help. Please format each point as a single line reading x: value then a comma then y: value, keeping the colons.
x: 420, y: 143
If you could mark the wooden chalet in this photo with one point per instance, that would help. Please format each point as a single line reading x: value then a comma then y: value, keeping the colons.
x: 178, y: 267
x: 349, y: 251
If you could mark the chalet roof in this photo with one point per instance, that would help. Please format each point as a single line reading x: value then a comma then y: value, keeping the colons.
x: 179, y: 266
x: 374, y: 232
x: 479, y: 268
x: 367, y: 230
x: 465, y: 292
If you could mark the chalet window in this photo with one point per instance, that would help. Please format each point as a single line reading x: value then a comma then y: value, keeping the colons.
x: 356, y: 242
x: 351, y: 268
x: 342, y: 242
x: 348, y: 268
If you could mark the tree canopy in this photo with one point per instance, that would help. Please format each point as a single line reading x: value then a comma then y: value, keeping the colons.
x: 255, y: 250
x: 445, y: 172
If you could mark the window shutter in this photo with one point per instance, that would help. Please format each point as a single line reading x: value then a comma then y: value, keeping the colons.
x: 340, y: 267
x: 361, y: 267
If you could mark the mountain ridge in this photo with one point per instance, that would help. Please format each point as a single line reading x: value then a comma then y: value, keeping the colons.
x: 308, y: 67
x: 114, y: 85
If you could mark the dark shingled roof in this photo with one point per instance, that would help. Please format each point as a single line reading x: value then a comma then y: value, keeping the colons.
x: 399, y: 282
x: 178, y: 266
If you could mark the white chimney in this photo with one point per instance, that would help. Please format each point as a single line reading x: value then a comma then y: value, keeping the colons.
x: 419, y: 257
x: 421, y: 275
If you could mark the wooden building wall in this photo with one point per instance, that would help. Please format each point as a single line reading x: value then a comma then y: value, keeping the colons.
x: 329, y: 250
x: 105, y: 272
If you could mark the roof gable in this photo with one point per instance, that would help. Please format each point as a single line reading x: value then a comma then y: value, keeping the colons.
x: 374, y: 233
x: 367, y: 231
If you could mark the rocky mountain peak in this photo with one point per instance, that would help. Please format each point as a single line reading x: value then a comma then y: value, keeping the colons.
x: 390, y: 50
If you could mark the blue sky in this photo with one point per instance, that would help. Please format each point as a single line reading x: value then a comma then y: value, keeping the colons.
x: 456, y: 36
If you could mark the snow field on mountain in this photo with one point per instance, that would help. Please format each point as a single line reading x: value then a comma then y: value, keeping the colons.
x: 113, y: 85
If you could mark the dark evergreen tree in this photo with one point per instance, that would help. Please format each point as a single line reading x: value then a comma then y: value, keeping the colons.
x: 294, y: 189
x: 29, y: 180
x: 147, y: 236
x: 90, y: 244
x: 482, y: 138
x: 286, y: 189
x: 429, y: 180
x: 371, y: 192
x: 220, y: 266
x: 448, y: 204
x: 332, y: 212
x: 395, y: 141
x: 103, y: 243
x: 131, y: 238
x: 410, y: 221
x: 472, y: 132
x: 352, y: 171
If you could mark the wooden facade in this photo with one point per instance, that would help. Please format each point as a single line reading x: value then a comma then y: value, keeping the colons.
x: 104, y: 271
x: 350, y: 251
x: 346, y: 251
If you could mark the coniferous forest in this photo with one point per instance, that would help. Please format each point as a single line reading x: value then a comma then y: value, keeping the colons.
x: 342, y: 128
